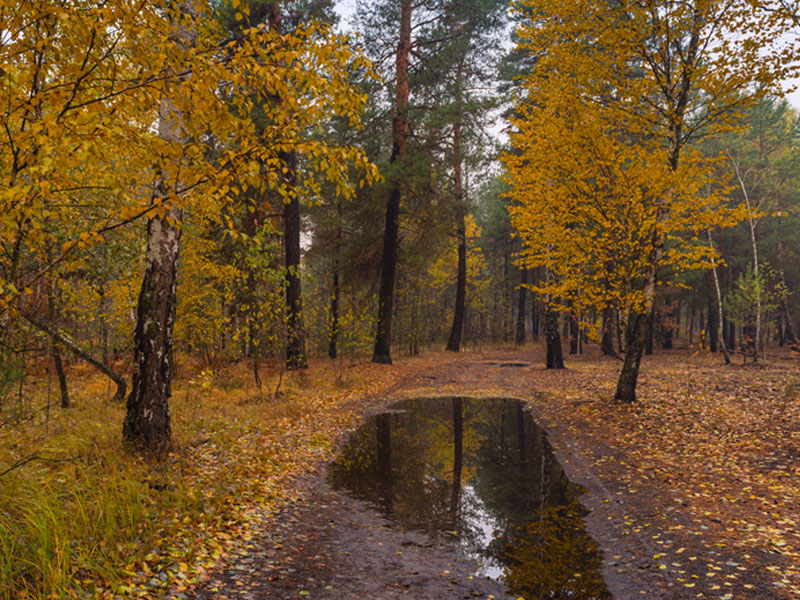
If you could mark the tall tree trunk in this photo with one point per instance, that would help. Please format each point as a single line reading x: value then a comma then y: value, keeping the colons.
x: 639, y: 322
x: 789, y: 333
x: 519, y: 339
x: 62, y: 376
x: 333, y: 332
x: 668, y: 325
x: 752, y: 222
x: 555, y: 354
x: 454, y: 343
x: 783, y: 308
x: 147, y: 421
x: 506, y: 308
x: 574, y: 334
x: 720, y: 320
x: 637, y: 334
x: 295, y: 334
x: 626, y: 386
x: 607, y: 341
x: 650, y: 336
x: 383, y: 335
x: 729, y: 332
x: 535, y: 316
x: 713, y: 315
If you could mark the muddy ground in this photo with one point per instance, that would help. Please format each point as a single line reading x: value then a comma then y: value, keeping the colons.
x: 328, y: 545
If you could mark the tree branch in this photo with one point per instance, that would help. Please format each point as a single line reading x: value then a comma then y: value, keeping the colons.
x: 24, y: 461
x: 63, y: 339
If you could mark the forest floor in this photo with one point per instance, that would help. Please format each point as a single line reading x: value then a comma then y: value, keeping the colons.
x: 693, y: 492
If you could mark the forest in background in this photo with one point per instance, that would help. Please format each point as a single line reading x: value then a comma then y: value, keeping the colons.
x: 409, y: 128
x: 235, y: 183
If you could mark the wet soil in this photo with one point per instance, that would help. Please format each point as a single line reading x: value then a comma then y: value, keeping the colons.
x: 326, y: 544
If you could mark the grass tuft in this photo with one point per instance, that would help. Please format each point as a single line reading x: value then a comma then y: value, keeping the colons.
x: 85, y: 519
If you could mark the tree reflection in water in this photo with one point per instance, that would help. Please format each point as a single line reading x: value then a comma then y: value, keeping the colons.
x: 479, y: 471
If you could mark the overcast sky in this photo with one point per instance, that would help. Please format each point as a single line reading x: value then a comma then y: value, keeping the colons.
x: 346, y: 10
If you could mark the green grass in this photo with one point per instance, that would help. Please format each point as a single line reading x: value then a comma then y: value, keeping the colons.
x: 97, y: 521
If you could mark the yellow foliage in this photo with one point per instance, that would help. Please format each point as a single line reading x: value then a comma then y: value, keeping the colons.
x: 606, y: 190
x: 82, y: 86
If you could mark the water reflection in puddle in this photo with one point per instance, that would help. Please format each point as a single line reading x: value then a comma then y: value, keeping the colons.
x: 479, y: 472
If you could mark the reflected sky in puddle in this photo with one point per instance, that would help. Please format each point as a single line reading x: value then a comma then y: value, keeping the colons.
x: 479, y: 472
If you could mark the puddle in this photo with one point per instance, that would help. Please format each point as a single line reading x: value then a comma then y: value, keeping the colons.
x: 481, y: 474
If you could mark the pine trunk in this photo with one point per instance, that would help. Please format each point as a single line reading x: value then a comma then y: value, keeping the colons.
x: 668, y: 326
x: 523, y: 293
x: 555, y: 355
x: 607, y: 341
x: 506, y: 308
x: 295, y: 335
x: 333, y: 332
x: 383, y: 335
x: 787, y: 330
x: 574, y: 333
x: 454, y: 343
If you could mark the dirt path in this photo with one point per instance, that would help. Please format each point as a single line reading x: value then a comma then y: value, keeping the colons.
x: 327, y: 545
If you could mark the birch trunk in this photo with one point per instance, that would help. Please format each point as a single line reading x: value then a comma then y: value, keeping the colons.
x: 752, y: 223
x: 147, y: 420
x: 721, y: 331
